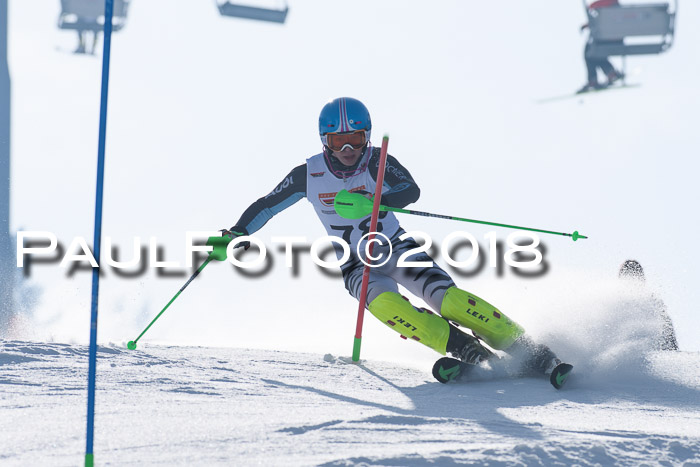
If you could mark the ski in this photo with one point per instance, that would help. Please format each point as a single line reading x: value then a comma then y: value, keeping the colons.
x: 560, y: 374
x: 583, y: 94
x: 448, y: 369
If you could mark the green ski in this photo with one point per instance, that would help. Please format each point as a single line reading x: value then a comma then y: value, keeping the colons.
x: 448, y: 370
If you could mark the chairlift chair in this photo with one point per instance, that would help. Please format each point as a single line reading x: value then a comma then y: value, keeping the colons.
x: 651, y: 25
x: 89, y: 15
x: 226, y: 8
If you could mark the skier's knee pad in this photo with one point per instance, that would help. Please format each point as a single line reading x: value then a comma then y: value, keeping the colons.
x: 412, y: 323
x: 494, y: 327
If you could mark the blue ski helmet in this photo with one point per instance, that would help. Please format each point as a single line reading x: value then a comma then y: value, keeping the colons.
x: 344, y: 115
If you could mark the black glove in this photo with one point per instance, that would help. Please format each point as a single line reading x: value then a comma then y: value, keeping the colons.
x: 235, y: 232
x: 364, y: 193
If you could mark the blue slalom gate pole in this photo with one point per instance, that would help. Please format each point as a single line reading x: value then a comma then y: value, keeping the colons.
x: 92, y: 366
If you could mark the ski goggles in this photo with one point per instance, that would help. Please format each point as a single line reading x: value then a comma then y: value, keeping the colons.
x: 338, y: 141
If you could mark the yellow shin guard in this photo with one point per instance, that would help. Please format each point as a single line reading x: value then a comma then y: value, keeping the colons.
x: 495, y: 328
x: 419, y: 325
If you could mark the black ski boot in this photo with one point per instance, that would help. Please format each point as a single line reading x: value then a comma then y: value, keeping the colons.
x: 591, y: 86
x: 467, y: 352
x: 466, y: 348
x: 539, y: 359
x: 535, y: 358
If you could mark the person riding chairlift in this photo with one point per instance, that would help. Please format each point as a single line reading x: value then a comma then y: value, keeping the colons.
x: 593, y: 63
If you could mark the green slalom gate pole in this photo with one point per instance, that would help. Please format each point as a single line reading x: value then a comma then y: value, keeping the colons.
x: 353, y: 206
x: 374, y: 208
x: 218, y: 253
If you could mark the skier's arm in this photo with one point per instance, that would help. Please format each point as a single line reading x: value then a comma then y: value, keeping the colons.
x: 403, y: 190
x: 287, y: 192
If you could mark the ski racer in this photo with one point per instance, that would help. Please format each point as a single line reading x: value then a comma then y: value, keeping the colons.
x: 349, y: 161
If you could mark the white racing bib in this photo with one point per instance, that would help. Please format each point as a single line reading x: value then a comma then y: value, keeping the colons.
x: 321, y: 188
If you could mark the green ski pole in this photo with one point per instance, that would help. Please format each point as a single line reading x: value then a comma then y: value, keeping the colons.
x: 354, y: 206
x: 218, y: 253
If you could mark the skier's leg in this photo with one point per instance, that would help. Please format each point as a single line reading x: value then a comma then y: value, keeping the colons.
x: 610, y: 73
x: 591, y: 63
x: 427, y: 282
x: 497, y: 330
x: 534, y: 357
x: 604, y: 63
x: 437, y: 289
x: 432, y: 283
x: 378, y: 282
x: 420, y: 325
x: 385, y: 303
x: 487, y: 322
x: 81, y: 42
x: 426, y: 327
x: 94, y: 41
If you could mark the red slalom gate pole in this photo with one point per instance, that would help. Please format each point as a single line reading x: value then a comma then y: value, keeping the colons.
x: 372, y: 229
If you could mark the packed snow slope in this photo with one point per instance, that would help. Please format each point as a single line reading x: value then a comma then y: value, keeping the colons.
x: 164, y: 405
x: 625, y: 403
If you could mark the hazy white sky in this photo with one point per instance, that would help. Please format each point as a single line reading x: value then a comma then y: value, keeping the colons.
x: 208, y: 113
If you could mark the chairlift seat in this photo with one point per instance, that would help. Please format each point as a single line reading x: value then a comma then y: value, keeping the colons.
x: 610, y: 27
x: 89, y: 15
x: 227, y: 8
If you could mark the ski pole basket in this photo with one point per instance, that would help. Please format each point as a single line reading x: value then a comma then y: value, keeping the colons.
x: 640, y: 29
x: 89, y: 15
x: 226, y: 8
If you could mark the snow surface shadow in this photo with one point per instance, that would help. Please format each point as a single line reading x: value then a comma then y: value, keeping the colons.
x: 400, y: 461
x: 10, y: 358
x: 519, y: 455
x: 425, y: 398
x: 191, y: 390
x: 523, y: 454
x: 473, y: 408
x: 304, y: 429
x: 481, y: 400
x: 18, y: 383
x: 336, y: 396
x: 42, y: 349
